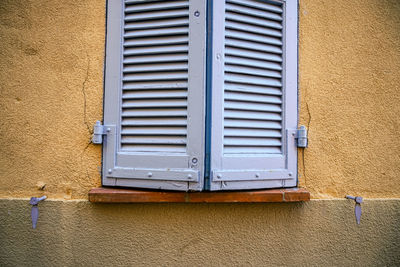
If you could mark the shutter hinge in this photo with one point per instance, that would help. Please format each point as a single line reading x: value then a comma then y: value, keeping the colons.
x: 301, y: 136
x: 98, y: 131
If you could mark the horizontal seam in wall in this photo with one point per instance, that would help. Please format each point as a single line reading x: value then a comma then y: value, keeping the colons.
x: 311, y: 200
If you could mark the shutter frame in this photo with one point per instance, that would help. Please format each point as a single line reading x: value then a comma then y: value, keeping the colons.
x: 252, y: 171
x: 158, y: 170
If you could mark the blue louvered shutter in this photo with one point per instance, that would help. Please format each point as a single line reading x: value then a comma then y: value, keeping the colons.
x: 154, y: 94
x: 254, y: 94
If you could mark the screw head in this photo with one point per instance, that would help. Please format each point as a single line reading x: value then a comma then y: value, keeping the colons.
x: 108, y: 130
x: 290, y: 173
x: 219, y: 176
x: 197, y: 13
x: 149, y: 174
x: 195, y: 160
x: 257, y: 175
x: 109, y: 170
x: 189, y: 176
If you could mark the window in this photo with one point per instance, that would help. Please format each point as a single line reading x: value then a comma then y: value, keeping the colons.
x: 201, y: 95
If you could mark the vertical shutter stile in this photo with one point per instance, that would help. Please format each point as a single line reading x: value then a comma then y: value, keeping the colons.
x: 254, y: 94
x: 160, y: 112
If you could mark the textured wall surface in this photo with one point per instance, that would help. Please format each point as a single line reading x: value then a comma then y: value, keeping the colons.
x: 318, y: 233
x: 51, y: 87
x: 350, y: 91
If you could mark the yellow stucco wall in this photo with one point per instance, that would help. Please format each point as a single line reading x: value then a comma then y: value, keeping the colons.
x: 51, y: 87
x: 51, y: 82
x: 350, y: 92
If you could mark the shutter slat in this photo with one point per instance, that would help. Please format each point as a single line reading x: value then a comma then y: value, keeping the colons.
x: 247, y: 36
x: 165, y: 85
x: 155, y: 50
x: 246, y: 53
x: 154, y: 94
x: 253, y: 62
x: 170, y: 148
x: 154, y: 113
x: 161, y: 40
x: 252, y: 150
x: 150, y: 139
x: 249, y: 79
x: 253, y: 20
x: 156, y: 32
x: 253, y: 11
x: 160, y: 23
x: 154, y: 103
x: 259, y: 5
x: 238, y: 114
x: 253, y: 89
x: 252, y: 132
x: 251, y: 71
x: 156, y: 67
x: 252, y: 29
x: 253, y: 46
x: 138, y: 2
x: 243, y: 123
x: 242, y: 96
x: 154, y: 131
x: 168, y: 121
x: 243, y: 141
x: 145, y: 76
x: 242, y: 105
x: 156, y: 15
x: 144, y: 7
x: 156, y: 58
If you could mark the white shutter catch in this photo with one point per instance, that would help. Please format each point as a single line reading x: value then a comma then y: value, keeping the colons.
x: 98, y: 131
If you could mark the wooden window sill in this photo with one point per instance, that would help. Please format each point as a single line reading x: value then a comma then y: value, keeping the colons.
x: 115, y: 195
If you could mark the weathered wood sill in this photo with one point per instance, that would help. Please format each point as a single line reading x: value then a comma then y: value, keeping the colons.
x: 115, y: 195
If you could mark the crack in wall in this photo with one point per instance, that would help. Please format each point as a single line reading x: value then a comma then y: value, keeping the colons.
x: 85, y: 120
x: 86, y: 147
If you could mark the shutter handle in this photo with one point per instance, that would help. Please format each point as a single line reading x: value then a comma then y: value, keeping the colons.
x: 357, y: 208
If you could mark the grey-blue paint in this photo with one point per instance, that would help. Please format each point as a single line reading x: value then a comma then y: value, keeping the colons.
x: 208, y: 97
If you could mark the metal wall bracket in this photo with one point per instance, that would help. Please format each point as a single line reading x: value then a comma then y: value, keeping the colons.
x: 357, y: 208
x: 98, y: 131
x: 35, y: 211
x: 302, y: 137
